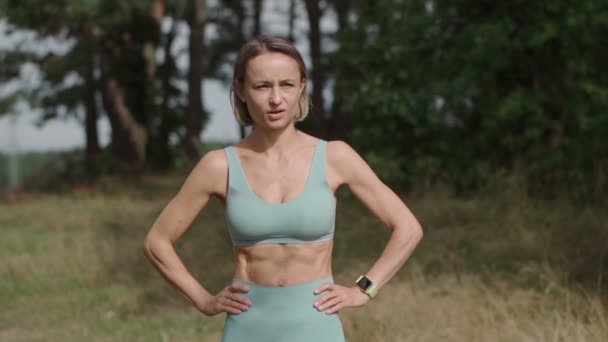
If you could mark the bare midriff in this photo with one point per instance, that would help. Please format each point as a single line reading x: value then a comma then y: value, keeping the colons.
x: 283, y: 264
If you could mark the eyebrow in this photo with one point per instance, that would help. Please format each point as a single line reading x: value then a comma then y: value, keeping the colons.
x: 268, y: 82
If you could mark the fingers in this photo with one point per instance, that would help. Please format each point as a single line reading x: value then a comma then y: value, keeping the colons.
x: 333, y: 305
x: 233, y: 291
x: 228, y: 305
x: 238, y: 288
x: 338, y: 297
x: 230, y: 301
x: 326, y: 297
x: 237, y: 301
x: 324, y: 287
x: 329, y: 287
x: 328, y: 301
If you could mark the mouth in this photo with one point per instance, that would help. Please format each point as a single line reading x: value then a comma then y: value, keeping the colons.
x: 275, y: 114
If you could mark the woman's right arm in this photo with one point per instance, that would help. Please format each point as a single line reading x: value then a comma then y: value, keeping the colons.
x: 209, y: 177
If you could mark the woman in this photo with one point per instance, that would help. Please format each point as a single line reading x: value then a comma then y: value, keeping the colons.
x: 278, y: 187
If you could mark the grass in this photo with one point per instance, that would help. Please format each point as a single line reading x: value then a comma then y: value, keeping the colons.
x: 496, y: 266
x: 452, y: 307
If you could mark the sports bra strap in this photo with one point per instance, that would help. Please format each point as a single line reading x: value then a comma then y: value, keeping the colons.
x: 317, y: 171
x: 236, y: 177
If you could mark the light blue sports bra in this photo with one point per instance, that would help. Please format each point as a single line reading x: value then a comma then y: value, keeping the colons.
x: 308, y: 218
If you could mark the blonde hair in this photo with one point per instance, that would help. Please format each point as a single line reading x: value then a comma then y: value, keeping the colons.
x: 253, y: 48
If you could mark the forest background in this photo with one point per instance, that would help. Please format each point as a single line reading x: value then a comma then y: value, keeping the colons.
x: 489, y: 119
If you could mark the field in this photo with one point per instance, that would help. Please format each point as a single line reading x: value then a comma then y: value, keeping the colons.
x: 495, y: 266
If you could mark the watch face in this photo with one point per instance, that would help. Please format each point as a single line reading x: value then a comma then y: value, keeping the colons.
x: 364, y: 283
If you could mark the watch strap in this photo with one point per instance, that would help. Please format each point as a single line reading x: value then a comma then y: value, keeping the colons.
x: 372, y: 291
x: 367, y: 286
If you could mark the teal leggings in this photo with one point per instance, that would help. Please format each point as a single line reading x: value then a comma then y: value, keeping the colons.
x: 280, y: 314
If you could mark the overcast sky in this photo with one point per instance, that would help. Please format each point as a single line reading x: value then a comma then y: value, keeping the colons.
x: 18, y: 132
x: 63, y: 134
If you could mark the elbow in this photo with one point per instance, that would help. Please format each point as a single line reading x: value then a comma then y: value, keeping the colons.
x: 415, y: 230
x: 419, y: 235
x: 156, y: 245
x: 410, y: 233
x: 147, y: 248
x: 150, y: 242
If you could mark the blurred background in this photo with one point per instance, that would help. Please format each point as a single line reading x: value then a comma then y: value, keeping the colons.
x: 488, y: 118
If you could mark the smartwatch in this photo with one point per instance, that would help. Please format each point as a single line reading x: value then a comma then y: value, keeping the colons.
x: 367, y: 286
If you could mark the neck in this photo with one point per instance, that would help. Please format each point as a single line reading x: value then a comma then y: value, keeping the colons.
x: 274, y: 140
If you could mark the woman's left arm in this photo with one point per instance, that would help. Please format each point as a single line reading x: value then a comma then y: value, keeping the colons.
x: 351, y: 170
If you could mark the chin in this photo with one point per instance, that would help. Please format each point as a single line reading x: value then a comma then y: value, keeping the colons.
x: 279, y: 124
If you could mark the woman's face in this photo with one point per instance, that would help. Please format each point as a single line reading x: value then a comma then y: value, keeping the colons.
x: 271, y: 89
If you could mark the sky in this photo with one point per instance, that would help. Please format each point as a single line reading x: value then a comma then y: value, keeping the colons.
x: 18, y: 131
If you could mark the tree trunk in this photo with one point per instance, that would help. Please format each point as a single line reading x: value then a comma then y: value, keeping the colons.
x: 257, y: 15
x: 120, y: 50
x: 339, y: 123
x: 240, y: 17
x: 239, y: 10
x: 292, y: 20
x: 129, y: 138
x: 157, y: 11
x: 164, y: 156
x: 91, y: 114
x: 315, y: 123
x: 194, y: 113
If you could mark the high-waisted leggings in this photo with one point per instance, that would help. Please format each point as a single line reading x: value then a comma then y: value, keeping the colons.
x: 280, y: 314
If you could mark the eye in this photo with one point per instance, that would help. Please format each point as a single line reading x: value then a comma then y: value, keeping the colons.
x: 287, y: 84
x: 261, y: 86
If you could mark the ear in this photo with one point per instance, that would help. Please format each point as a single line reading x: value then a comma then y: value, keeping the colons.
x: 302, y: 86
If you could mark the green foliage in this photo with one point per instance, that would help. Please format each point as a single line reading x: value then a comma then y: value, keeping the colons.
x: 52, y: 16
x: 441, y: 88
x: 109, y: 36
x: 7, y: 103
x: 11, y: 60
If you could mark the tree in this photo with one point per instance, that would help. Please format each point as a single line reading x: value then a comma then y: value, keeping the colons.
x: 339, y: 122
x: 315, y: 123
x: 291, y: 21
x: 196, y: 18
x: 230, y: 19
x: 127, y: 70
x: 173, y: 99
x: 55, y: 96
x: 457, y: 89
x: 116, y: 37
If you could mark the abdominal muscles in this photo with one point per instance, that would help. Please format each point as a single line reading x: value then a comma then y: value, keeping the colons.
x: 283, y: 264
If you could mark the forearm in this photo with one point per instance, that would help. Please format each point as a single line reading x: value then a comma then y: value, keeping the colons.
x: 400, y: 246
x: 164, y: 258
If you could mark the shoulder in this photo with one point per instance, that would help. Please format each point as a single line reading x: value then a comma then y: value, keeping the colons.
x: 342, y: 158
x: 213, y: 161
x: 340, y: 153
x: 353, y: 170
x: 210, y: 171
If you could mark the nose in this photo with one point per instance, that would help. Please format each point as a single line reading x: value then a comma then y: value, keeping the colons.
x: 275, y: 96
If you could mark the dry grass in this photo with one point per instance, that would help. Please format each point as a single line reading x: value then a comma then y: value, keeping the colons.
x: 73, y: 269
x: 454, y: 307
